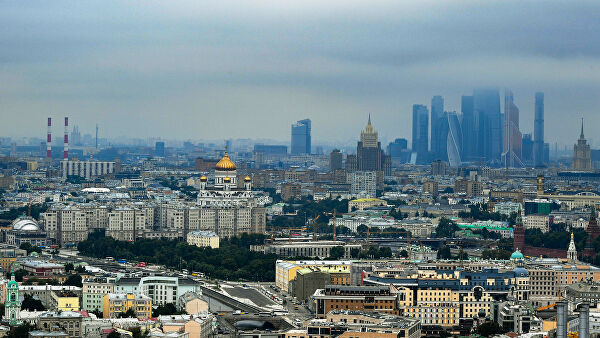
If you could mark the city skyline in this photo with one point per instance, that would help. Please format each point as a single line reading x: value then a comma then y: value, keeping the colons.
x: 197, y: 64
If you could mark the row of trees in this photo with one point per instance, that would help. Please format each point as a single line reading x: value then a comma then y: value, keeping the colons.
x: 232, y: 260
x: 14, y: 213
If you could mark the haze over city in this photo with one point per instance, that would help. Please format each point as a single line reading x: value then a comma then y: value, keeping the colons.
x: 238, y: 69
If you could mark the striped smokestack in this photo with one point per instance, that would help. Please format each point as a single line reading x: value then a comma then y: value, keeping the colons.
x: 49, y: 140
x: 66, y: 150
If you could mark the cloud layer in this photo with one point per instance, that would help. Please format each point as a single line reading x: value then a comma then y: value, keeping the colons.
x: 193, y: 69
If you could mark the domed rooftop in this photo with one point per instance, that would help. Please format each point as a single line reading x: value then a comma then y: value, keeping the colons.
x: 225, y: 164
x: 25, y: 224
x: 203, y: 178
x: 517, y: 255
x: 247, y: 178
x: 521, y: 272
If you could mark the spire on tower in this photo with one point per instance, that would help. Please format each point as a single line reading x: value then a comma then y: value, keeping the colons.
x: 581, y: 136
x: 369, y: 119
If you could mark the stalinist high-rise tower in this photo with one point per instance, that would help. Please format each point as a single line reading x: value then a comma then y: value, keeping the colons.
x: 582, y: 159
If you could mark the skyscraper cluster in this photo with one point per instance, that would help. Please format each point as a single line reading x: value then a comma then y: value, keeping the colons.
x: 481, y: 133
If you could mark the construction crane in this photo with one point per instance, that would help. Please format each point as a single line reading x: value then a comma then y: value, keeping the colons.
x: 294, y: 229
x: 315, y: 227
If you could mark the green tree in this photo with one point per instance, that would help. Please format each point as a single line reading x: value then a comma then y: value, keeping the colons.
x: 114, y: 334
x: 130, y: 313
x: 446, y: 228
x: 444, y: 252
x: 21, y: 331
x: 336, y: 252
x: 69, y: 267
x: 489, y: 329
x: 136, y: 332
x: 166, y: 310
x: 404, y: 253
x: 31, y: 304
x: 74, y: 280
x: 30, y: 248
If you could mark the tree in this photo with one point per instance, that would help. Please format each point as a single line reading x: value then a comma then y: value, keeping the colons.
x: 114, y: 334
x: 136, y: 332
x: 31, y: 304
x: 354, y: 252
x: 446, y: 228
x: 130, y: 313
x: 21, y: 331
x: 489, y: 329
x: 444, y: 252
x: 166, y: 310
x: 336, y: 252
x: 30, y: 248
x: 69, y: 267
x: 404, y: 253
x: 19, y: 274
x: 74, y: 280
x: 80, y: 269
x: 362, y: 229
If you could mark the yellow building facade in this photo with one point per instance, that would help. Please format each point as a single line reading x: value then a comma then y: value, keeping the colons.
x: 115, y: 303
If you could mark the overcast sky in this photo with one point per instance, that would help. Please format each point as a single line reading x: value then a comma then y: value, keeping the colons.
x: 236, y: 69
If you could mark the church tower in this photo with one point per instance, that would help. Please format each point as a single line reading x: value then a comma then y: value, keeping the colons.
x: 12, y: 307
x: 572, y: 251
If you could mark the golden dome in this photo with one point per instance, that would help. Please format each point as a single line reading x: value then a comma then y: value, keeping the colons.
x: 227, y: 179
x: 225, y: 164
x: 203, y: 178
x: 247, y: 178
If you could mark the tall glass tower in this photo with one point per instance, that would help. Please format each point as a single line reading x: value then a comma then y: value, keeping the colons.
x: 301, y: 137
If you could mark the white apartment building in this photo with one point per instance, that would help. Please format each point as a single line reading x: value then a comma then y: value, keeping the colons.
x: 86, y: 169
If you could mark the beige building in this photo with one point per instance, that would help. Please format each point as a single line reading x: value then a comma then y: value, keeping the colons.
x: 364, y: 203
x: 94, y: 291
x: 203, y: 239
x: 534, y: 221
x: 115, y: 303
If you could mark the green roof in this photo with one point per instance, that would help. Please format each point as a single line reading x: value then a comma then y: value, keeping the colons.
x: 481, y: 226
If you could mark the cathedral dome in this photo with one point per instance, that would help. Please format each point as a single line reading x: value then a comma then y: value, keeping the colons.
x: 225, y: 164
x: 517, y: 255
x: 227, y: 179
x: 247, y: 178
x: 203, y: 178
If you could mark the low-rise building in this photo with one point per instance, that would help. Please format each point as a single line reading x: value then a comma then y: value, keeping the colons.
x: 115, y: 303
x: 203, y: 239
x: 364, y: 203
x: 61, y: 321
x: 537, y: 221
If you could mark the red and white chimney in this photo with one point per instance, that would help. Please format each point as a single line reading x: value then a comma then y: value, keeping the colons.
x: 49, y: 140
x: 66, y: 149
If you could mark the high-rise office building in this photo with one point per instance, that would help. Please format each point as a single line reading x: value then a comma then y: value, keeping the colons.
x: 301, y: 137
x: 335, y: 160
x: 159, y: 149
x: 438, y: 142
x: 369, y: 155
x: 454, y: 139
x: 420, y: 132
x: 538, y: 130
x: 512, y: 135
x: 488, y: 124
x: 468, y: 128
x: 582, y: 159
x: 527, y: 149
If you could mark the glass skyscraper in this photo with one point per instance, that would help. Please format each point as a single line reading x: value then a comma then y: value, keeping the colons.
x: 301, y: 137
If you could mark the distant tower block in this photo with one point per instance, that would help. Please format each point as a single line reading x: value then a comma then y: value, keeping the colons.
x: 49, y: 140
x: 66, y: 149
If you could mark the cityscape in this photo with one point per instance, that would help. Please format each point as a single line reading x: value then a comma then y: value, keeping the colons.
x: 203, y: 170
